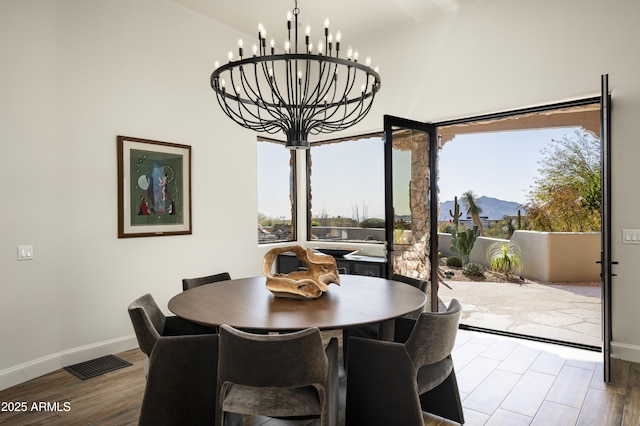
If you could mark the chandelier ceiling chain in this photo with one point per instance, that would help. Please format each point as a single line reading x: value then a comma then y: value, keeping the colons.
x: 296, y: 93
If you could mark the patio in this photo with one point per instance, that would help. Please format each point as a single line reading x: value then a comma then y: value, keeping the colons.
x: 565, y: 312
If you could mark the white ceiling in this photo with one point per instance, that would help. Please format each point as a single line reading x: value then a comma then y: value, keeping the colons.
x: 355, y: 19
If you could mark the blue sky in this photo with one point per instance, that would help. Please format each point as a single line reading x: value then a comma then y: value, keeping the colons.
x: 501, y: 165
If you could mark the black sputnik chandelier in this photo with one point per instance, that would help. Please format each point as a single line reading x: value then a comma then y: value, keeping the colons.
x: 297, y: 93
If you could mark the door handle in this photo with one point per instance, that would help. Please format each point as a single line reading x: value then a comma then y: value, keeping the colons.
x: 613, y: 262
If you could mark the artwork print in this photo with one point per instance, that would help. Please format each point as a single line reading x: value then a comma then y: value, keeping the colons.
x: 154, y: 180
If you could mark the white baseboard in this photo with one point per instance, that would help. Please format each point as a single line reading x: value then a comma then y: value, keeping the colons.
x: 625, y: 352
x: 38, y: 367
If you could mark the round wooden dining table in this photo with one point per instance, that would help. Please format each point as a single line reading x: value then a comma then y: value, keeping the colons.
x: 247, y: 304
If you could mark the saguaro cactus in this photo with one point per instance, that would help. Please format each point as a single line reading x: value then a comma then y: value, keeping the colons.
x: 456, y: 211
x: 519, y: 219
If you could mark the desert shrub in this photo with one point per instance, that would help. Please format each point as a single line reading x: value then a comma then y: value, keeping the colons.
x: 473, y: 269
x: 505, y: 257
x: 454, y: 261
x: 445, y: 228
x: 372, y: 223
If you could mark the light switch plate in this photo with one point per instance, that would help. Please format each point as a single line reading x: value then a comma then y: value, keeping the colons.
x: 631, y: 236
x: 25, y: 252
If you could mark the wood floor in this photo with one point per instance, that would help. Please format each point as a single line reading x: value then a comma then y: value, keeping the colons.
x: 502, y: 382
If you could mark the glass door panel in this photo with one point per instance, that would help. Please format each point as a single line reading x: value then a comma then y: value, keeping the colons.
x: 410, y: 216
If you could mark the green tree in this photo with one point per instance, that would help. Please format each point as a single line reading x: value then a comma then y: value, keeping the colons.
x: 470, y: 202
x: 566, y: 196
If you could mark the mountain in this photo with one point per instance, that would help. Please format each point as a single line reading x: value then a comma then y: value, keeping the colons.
x: 493, y: 208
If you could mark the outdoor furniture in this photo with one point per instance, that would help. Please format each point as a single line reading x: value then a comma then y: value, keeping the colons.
x: 286, y: 375
x: 188, y: 283
x: 182, y: 380
x: 393, y: 382
x: 247, y: 304
x: 150, y: 324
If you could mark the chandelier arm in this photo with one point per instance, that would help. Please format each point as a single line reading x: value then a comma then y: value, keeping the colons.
x: 273, y: 86
x: 309, y: 101
x: 237, y: 118
x: 276, y: 118
x: 272, y: 108
x: 363, y: 112
x: 327, y: 80
x: 320, y: 91
x: 278, y: 104
x: 342, y: 103
x: 241, y: 111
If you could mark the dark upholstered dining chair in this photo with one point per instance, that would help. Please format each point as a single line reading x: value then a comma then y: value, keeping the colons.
x: 371, y: 331
x: 394, y: 382
x: 182, y: 380
x: 149, y: 324
x: 286, y: 375
x: 188, y: 283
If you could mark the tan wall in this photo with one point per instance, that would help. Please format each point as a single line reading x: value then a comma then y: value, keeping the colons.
x: 546, y: 256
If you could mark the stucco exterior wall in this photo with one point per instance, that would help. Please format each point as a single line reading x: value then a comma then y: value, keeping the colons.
x: 546, y: 256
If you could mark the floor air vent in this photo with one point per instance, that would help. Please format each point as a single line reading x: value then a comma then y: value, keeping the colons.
x: 96, y: 367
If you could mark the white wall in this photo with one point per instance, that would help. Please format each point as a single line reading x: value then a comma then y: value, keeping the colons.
x: 497, y: 55
x: 76, y: 73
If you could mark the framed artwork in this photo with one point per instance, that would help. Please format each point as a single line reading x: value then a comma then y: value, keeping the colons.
x: 154, y: 188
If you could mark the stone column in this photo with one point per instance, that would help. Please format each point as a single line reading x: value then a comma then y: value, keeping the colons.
x: 412, y: 259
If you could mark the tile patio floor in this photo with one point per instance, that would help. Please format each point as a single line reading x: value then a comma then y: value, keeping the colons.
x: 564, y: 312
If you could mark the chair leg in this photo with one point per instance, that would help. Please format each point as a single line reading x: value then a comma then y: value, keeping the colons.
x: 444, y: 400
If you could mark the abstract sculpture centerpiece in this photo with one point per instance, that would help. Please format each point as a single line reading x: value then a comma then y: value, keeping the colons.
x: 297, y: 93
x: 310, y: 284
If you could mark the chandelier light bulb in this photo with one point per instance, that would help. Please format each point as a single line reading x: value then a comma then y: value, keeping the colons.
x: 355, y: 56
x: 230, y: 56
x: 320, y: 47
x: 254, y: 49
x: 216, y: 65
x: 368, y: 61
x: 338, y: 36
x: 307, y: 30
x: 349, y: 52
x: 287, y: 46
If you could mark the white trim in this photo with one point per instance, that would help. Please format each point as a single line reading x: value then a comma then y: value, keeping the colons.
x: 625, y: 352
x: 30, y: 370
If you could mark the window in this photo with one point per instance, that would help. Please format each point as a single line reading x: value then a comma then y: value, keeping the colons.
x: 346, y: 190
x: 276, y: 192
